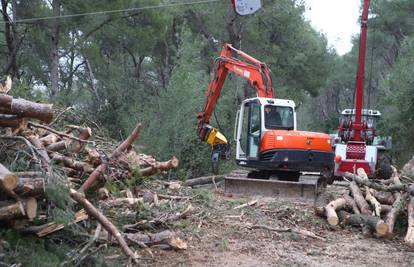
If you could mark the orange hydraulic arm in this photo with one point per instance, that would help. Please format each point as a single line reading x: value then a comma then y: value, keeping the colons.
x: 251, y: 69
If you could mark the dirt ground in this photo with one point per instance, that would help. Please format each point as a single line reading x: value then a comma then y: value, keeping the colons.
x: 219, y: 235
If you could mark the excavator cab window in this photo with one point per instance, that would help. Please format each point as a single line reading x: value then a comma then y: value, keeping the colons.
x: 278, y: 118
x: 253, y: 138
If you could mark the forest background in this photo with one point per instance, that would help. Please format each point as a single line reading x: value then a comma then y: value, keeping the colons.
x: 154, y: 65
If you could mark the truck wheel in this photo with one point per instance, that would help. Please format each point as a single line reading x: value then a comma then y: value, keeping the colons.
x: 384, y: 167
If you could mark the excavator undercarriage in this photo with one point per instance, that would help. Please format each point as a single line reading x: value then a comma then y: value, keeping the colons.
x: 300, y: 186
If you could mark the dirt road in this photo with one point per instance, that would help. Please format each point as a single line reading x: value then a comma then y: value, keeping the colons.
x: 223, y: 236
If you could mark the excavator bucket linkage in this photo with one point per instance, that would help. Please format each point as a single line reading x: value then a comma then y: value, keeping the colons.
x: 306, y: 189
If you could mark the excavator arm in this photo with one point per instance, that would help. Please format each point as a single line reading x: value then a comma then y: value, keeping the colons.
x: 240, y: 63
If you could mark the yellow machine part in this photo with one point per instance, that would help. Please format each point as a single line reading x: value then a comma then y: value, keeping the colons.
x: 216, y: 138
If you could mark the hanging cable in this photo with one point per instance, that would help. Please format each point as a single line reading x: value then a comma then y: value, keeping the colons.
x: 28, y: 20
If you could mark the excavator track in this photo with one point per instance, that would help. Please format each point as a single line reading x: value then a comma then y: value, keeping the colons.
x: 306, y: 189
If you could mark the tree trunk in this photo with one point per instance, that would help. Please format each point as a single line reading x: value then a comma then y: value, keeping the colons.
x: 71, y: 163
x: 384, y: 197
x: 54, y: 51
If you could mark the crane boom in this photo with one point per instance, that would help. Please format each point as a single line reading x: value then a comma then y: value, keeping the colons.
x: 255, y: 71
x: 361, y: 71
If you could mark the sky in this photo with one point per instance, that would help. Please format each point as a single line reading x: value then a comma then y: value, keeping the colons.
x: 338, y: 19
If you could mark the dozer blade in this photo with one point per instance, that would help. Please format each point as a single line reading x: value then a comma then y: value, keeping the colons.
x: 306, y: 189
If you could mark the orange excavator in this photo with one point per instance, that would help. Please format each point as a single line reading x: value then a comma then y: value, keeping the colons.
x: 266, y: 135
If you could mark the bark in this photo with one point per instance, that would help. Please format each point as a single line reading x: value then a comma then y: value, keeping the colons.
x: 25, y: 108
x: 351, y: 203
x: 204, y: 180
x: 100, y: 170
x: 107, y: 224
x: 13, y: 211
x: 8, y: 180
x: 160, y: 166
x: 395, y: 211
x: 383, y: 197
x: 11, y: 121
x: 374, y: 202
x: 372, y: 223
x: 30, y: 187
x: 30, y: 174
x: 359, y: 198
x: 46, y: 229
x: 409, y: 237
x: 331, y: 208
x: 44, y: 157
x: 93, y: 157
x: 71, y: 163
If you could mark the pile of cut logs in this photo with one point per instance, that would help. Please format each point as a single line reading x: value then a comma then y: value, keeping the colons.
x: 375, y: 205
x: 68, y: 158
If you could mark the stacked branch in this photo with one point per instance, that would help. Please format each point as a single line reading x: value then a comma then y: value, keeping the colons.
x: 70, y: 151
x: 374, y: 205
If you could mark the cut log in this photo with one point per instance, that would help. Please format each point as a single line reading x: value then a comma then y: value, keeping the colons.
x: 59, y: 146
x: 11, y: 121
x: 93, y: 157
x: 164, y: 238
x: 100, y: 170
x: 359, y: 198
x: 398, y: 205
x: 395, y: 211
x: 351, y: 203
x: 331, y: 208
x: 84, y: 134
x: 383, y: 197
x: 71, y: 163
x: 374, y: 202
x: 409, y: 188
x: 44, y: 157
x: 409, y: 237
x: 24, y: 108
x: 204, y: 180
x: 30, y: 205
x: 30, y: 187
x: 107, y: 224
x: 8, y: 180
x: 385, y: 209
x: 375, y: 224
x: 13, y: 211
x: 160, y: 166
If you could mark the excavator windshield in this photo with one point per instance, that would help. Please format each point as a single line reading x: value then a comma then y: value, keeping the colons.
x: 278, y: 118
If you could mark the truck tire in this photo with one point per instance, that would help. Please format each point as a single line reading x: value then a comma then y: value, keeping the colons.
x: 384, y: 166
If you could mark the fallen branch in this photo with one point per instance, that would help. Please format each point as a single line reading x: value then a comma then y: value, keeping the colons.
x: 91, y: 210
x: 204, y: 180
x: 286, y: 230
x: 115, y: 155
x: 373, y: 223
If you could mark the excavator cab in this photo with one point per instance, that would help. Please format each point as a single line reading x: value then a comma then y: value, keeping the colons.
x: 257, y: 116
